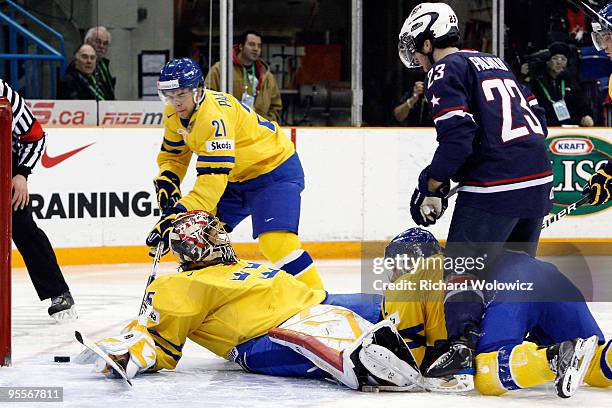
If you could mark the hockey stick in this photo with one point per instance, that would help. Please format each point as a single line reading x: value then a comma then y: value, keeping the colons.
x: 592, y: 13
x: 566, y: 211
x: 144, y: 304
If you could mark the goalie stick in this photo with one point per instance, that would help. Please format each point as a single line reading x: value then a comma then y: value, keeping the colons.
x: 97, y: 350
x: 144, y: 305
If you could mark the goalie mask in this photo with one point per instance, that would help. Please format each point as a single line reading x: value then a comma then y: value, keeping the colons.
x: 198, y: 236
x: 436, y: 22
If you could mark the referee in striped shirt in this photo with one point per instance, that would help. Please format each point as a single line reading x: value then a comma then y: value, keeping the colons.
x: 28, y: 142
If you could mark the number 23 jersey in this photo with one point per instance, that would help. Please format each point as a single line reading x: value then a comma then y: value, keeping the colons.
x: 491, y: 132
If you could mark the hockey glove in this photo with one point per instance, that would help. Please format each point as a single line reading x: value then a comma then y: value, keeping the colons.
x: 600, y: 185
x: 168, y: 189
x: 426, y: 206
x: 161, y: 231
x: 134, y: 351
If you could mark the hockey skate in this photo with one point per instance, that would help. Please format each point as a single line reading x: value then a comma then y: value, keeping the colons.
x: 448, y: 366
x: 570, y: 361
x: 62, y: 308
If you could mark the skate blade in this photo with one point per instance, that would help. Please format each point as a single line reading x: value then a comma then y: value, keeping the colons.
x: 452, y: 384
x: 584, y: 351
x: 383, y: 364
x: 65, y: 316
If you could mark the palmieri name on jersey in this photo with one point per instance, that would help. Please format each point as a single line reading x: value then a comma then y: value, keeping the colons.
x: 222, y: 144
x: 485, y: 63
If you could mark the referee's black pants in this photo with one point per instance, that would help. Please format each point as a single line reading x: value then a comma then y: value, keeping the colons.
x: 38, y: 255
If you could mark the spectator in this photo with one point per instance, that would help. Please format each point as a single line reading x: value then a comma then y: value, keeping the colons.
x: 558, y: 94
x: 99, y: 38
x: 253, y: 85
x: 413, y: 109
x: 79, y: 81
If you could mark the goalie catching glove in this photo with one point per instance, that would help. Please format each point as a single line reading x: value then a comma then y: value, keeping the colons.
x: 599, y: 186
x: 168, y: 189
x: 134, y: 351
x: 426, y: 206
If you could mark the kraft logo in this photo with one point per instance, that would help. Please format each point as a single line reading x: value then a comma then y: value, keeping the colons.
x: 48, y: 161
x: 216, y: 145
x: 571, y: 146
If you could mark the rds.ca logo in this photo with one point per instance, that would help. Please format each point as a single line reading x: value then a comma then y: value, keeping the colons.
x: 574, y: 159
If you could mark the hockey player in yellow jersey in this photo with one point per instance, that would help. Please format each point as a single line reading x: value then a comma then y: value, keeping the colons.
x: 245, y: 166
x: 260, y: 317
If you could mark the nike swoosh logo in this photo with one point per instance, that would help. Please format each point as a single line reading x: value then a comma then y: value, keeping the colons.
x: 171, y: 115
x: 48, y: 161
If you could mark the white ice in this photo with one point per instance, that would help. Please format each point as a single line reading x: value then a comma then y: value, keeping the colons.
x: 109, y: 296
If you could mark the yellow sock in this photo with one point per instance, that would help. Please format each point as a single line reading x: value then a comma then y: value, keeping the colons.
x: 283, y: 249
x: 599, y: 373
x: 511, y: 368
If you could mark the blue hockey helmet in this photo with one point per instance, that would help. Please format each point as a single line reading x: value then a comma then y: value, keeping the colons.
x: 415, y: 243
x: 178, y: 74
x: 602, y: 28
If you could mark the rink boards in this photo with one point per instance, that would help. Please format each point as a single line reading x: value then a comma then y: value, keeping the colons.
x: 93, y: 193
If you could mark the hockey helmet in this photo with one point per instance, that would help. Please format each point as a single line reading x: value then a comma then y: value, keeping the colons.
x: 436, y: 22
x: 198, y: 236
x: 415, y: 243
x: 181, y: 73
x: 602, y: 28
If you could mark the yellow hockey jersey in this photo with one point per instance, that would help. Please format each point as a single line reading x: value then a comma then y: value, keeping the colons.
x: 416, y: 305
x: 231, y: 142
x: 221, y: 306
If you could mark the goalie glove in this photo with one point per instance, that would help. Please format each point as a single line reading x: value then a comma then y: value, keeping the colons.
x: 426, y: 206
x: 134, y: 351
x: 161, y: 231
x: 168, y: 189
x: 599, y: 186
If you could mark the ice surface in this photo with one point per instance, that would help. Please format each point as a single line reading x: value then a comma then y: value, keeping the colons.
x: 109, y: 296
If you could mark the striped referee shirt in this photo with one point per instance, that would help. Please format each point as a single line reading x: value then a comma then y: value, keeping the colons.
x: 28, y: 141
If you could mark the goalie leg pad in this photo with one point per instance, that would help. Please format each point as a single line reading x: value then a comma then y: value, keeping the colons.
x: 333, y: 338
x: 387, y: 358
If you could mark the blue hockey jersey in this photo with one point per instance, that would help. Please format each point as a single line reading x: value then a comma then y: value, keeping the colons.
x: 491, y: 134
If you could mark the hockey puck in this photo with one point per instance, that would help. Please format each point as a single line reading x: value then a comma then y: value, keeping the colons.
x: 61, y: 359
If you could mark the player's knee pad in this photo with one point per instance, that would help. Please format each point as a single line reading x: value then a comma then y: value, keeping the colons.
x: 511, y: 368
x: 284, y: 249
x: 599, y: 373
x: 351, y: 349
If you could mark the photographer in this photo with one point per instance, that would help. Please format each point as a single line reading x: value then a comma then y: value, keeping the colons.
x: 555, y: 90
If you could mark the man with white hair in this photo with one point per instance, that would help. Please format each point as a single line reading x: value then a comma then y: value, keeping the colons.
x: 99, y: 38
